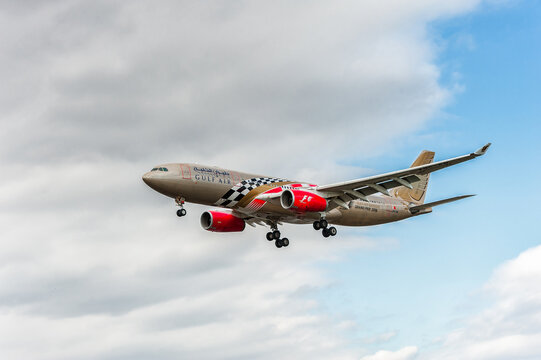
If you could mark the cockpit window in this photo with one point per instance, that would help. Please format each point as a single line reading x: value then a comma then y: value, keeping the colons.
x: 159, y: 169
x: 154, y: 169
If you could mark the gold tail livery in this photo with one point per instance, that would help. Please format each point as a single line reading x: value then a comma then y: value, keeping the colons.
x: 268, y: 201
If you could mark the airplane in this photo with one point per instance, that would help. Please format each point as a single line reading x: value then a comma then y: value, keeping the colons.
x: 269, y: 201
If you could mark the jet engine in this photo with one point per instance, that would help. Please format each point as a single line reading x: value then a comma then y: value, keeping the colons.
x: 302, y: 201
x: 218, y: 221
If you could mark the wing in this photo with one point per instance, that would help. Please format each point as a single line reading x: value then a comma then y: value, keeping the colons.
x: 343, y: 192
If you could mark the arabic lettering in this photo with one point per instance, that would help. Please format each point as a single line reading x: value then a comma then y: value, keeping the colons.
x: 216, y: 172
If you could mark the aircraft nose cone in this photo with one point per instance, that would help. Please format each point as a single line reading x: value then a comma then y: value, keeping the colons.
x: 147, y: 178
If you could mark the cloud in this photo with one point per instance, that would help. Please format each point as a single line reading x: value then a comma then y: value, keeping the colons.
x: 115, y: 278
x: 163, y: 290
x: 406, y: 353
x: 509, y: 327
x: 138, y: 81
x: 96, y: 265
x: 381, y: 338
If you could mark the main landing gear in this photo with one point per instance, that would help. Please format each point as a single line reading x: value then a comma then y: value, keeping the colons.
x: 275, y: 235
x: 180, y: 202
x: 322, y: 224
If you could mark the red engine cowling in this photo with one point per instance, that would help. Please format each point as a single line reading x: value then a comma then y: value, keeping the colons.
x: 221, y: 222
x: 302, y: 201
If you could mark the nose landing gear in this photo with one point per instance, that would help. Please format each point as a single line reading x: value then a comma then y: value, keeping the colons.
x: 181, y: 212
x: 322, y: 224
x: 180, y: 202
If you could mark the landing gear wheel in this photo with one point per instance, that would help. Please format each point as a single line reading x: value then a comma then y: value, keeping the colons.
x: 181, y: 212
x: 285, y: 242
x: 326, y: 233
x: 278, y: 243
x: 317, y: 225
x: 332, y: 231
x: 270, y: 236
x: 180, y: 202
x: 276, y: 234
x: 323, y: 223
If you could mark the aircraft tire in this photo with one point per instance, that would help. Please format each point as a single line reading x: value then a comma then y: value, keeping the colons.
x: 181, y: 212
x: 326, y: 233
x: 323, y: 223
x: 332, y: 231
x: 276, y: 234
x: 270, y: 236
x: 285, y: 242
x: 278, y: 243
x: 317, y: 225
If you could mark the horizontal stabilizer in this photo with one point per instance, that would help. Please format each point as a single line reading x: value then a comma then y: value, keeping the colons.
x: 416, y: 209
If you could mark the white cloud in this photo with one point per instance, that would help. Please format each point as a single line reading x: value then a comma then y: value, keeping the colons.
x: 117, y: 279
x: 510, y: 328
x: 93, y: 263
x: 140, y: 81
x: 406, y: 353
x: 380, y: 338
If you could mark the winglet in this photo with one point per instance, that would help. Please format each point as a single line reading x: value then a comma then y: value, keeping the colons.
x: 482, y: 150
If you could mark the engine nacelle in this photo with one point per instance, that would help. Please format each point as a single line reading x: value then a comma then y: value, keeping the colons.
x: 221, y: 222
x: 302, y: 201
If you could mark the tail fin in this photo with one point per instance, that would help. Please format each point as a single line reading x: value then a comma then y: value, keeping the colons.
x: 417, y: 194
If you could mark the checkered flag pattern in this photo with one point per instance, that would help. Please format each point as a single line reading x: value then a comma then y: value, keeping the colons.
x: 237, y: 192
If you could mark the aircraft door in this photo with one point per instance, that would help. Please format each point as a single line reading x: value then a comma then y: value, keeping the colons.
x: 235, y: 178
x: 186, y: 171
x: 387, y: 206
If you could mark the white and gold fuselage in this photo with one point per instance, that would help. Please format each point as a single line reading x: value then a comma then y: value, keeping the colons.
x: 262, y: 200
x: 207, y: 185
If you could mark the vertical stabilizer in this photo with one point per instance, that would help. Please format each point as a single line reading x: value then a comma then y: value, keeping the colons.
x: 417, y: 193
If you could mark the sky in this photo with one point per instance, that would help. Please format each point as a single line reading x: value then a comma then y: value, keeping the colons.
x: 95, y: 265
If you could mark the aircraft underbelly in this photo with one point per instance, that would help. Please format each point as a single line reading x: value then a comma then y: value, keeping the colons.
x: 275, y: 211
x: 362, y: 213
x: 356, y: 215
